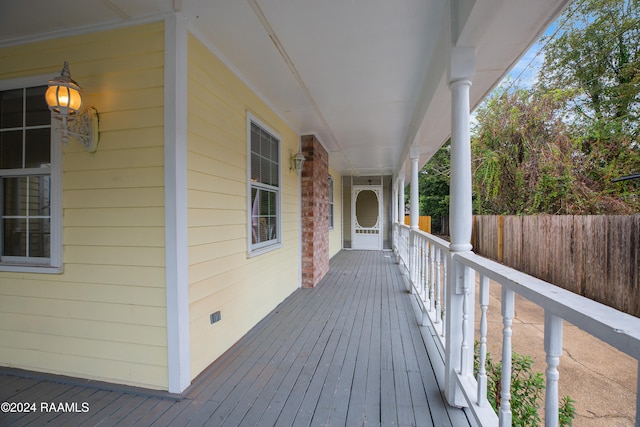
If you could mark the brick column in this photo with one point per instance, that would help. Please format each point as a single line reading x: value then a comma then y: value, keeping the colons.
x: 315, y: 212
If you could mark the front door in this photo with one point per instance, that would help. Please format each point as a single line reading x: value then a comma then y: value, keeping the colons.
x: 366, y: 223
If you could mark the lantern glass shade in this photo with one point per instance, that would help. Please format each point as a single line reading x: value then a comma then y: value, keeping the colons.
x: 63, y: 97
x: 298, y: 162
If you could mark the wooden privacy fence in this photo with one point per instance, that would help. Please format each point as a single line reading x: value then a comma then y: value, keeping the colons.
x: 424, y: 223
x: 594, y: 256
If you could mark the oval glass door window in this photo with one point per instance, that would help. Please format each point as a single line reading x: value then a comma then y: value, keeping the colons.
x: 367, y: 209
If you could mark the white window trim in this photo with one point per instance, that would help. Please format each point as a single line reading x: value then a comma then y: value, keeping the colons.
x: 331, y: 202
x: 54, y: 266
x: 263, y: 247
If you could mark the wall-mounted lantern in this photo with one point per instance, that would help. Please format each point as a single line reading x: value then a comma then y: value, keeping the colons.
x: 297, y: 162
x: 64, y: 98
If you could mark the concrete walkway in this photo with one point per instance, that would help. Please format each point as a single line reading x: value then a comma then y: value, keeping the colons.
x: 599, y: 378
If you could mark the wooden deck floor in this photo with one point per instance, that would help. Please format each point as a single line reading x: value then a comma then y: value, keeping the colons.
x: 346, y: 353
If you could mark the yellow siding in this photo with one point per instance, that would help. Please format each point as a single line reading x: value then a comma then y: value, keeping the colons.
x: 104, y: 317
x: 335, y: 235
x: 221, y: 277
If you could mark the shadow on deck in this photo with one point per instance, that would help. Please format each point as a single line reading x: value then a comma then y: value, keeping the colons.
x: 349, y: 352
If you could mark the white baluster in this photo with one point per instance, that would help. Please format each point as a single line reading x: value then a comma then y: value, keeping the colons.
x: 638, y: 398
x: 432, y: 268
x: 553, y: 348
x: 438, y: 284
x: 482, y: 360
x: 402, y: 245
x: 427, y: 274
x: 407, y: 236
x: 423, y: 277
x: 505, y: 395
x: 444, y: 291
x: 466, y: 354
x: 406, y: 248
x: 412, y: 260
x: 416, y: 254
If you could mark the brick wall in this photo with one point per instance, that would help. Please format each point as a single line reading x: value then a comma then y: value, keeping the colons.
x: 315, y: 212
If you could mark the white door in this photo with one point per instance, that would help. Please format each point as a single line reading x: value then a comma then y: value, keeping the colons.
x: 366, y: 222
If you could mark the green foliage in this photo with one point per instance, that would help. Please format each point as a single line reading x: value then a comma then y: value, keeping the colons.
x: 598, y: 56
x: 522, y: 159
x: 596, y: 53
x: 557, y: 148
x: 566, y: 412
x: 527, y: 389
x: 434, y: 186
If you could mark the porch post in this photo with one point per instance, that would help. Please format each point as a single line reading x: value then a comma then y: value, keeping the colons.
x: 460, y: 214
x: 394, y: 204
x: 175, y: 178
x: 401, y: 202
x: 415, y: 195
x: 413, y: 222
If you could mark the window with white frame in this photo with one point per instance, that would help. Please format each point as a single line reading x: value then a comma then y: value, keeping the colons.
x: 330, y: 202
x: 264, y: 187
x: 27, y: 188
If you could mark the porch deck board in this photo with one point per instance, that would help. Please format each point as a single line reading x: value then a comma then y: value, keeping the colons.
x: 349, y: 352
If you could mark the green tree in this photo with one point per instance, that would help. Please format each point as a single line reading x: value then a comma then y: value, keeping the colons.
x: 522, y: 156
x: 557, y: 148
x: 596, y: 55
x: 434, y: 187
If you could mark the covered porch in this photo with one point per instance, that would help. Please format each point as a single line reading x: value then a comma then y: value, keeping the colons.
x: 348, y: 352
x: 380, y: 87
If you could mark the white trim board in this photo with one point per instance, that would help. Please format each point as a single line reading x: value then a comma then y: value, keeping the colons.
x: 176, y: 225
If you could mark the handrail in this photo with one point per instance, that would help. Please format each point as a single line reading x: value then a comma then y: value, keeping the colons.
x: 443, y: 280
x: 614, y: 327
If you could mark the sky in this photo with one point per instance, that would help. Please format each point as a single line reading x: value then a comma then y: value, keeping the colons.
x: 525, y: 72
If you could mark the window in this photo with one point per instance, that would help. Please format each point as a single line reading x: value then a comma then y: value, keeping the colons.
x: 27, y: 183
x: 264, y: 169
x: 330, y: 202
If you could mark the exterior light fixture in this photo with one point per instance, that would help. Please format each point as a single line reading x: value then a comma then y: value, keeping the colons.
x: 64, y: 98
x: 297, y: 161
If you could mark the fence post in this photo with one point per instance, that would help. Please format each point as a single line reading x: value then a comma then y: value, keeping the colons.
x: 500, y: 238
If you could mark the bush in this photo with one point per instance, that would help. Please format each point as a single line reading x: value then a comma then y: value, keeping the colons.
x: 527, y: 389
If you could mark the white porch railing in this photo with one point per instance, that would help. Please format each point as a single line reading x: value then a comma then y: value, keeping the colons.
x: 441, y: 279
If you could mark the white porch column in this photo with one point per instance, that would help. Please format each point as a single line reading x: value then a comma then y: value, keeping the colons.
x: 460, y: 222
x: 175, y: 171
x: 415, y: 195
x: 394, y: 204
x: 413, y: 222
x: 401, y: 202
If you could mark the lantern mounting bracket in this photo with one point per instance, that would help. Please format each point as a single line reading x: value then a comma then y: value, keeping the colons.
x: 81, y: 127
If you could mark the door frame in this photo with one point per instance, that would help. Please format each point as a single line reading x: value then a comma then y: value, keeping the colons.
x: 367, y: 240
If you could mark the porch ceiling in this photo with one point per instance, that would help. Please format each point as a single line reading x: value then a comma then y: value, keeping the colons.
x: 369, y: 78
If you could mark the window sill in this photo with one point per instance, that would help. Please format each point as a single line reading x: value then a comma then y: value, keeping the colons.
x: 263, y: 250
x: 24, y: 268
